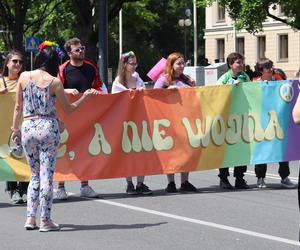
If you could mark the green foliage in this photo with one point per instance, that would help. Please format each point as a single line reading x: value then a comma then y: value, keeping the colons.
x: 250, y: 15
x: 150, y: 27
x: 57, y: 25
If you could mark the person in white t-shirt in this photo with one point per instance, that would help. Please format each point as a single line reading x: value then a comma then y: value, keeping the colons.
x: 128, y: 79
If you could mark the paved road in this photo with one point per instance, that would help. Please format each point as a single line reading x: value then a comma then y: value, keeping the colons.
x: 210, y: 219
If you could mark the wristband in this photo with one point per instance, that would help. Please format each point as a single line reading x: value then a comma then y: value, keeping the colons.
x: 15, y: 129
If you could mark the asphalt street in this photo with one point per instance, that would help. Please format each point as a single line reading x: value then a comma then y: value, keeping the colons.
x: 211, y: 219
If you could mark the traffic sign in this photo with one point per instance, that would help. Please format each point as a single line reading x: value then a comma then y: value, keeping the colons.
x: 32, y: 44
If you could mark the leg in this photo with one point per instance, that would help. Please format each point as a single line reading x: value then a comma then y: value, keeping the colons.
x: 284, y: 169
x: 140, y: 180
x: 240, y: 183
x: 223, y: 175
x: 239, y: 171
x: 61, y: 184
x: 284, y: 172
x: 11, y: 185
x: 130, y: 189
x: 171, y: 188
x: 60, y: 193
x: 23, y: 186
x: 14, y: 193
x: 186, y: 186
x: 260, y: 171
x: 184, y: 177
x: 171, y: 178
x: 32, y: 155
x: 84, y: 183
x: 47, y: 163
x: 141, y: 188
x: 129, y: 179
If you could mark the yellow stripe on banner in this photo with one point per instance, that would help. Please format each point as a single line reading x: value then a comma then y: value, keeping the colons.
x: 19, y: 168
x: 216, y: 105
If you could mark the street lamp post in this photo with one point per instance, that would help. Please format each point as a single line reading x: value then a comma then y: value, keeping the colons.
x: 185, y: 22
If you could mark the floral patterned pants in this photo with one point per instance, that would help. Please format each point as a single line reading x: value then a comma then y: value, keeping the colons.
x: 40, y: 138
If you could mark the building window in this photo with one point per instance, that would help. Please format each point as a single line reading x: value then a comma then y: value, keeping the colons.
x: 283, y: 47
x: 261, y: 47
x: 240, y: 45
x: 220, y: 49
x: 221, y: 13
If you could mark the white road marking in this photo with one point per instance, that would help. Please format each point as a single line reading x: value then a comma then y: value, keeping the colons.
x: 207, y: 223
x: 201, y: 222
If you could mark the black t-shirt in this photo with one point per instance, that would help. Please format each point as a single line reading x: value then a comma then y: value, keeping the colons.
x: 80, y: 78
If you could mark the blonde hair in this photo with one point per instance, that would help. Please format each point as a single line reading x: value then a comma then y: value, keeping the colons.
x: 122, y: 67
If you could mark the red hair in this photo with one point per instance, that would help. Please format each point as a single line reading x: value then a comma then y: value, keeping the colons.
x: 169, y: 69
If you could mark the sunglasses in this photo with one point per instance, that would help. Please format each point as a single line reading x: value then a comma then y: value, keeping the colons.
x: 133, y: 64
x: 78, y: 50
x: 15, y: 61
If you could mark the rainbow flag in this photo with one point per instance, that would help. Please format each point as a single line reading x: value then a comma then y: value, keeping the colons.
x: 164, y: 131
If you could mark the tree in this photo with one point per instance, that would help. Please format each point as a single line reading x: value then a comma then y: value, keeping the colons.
x: 15, y: 20
x: 250, y: 15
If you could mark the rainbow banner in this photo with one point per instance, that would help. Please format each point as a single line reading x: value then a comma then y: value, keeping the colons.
x: 159, y: 131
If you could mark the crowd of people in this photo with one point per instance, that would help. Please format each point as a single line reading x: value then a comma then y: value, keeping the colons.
x: 38, y: 90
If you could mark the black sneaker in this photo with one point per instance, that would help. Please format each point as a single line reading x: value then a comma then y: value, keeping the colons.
x: 143, y: 189
x: 241, y: 184
x: 171, y: 188
x: 225, y: 184
x: 130, y: 188
x: 187, y: 187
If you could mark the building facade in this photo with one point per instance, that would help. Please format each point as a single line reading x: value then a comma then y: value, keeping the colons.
x: 278, y: 41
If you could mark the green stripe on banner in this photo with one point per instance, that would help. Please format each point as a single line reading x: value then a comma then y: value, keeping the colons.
x: 6, y: 171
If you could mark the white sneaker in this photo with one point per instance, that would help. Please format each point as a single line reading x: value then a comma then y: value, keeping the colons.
x: 87, y: 191
x: 61, y: 194
x: 261, y: 183
x: 287, y: 183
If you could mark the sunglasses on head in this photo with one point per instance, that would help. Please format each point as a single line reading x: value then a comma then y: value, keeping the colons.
x: 15, y: 61
x: 78, y: 50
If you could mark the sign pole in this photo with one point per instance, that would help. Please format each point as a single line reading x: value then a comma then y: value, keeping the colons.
x: 31, y: 60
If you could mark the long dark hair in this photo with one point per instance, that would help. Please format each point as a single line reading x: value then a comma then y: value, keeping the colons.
x: 7, y: 58
x: 47, y: 59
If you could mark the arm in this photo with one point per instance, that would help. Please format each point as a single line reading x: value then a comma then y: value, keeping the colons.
x: 18, y: 110
x: 4, y: 89
x: 72, y: 91
x: 296, y: 111
x: 66, y: 105
x: 160, y: 83
x: 117, y: 86
x: 222, y: 80
x: 140, y: 83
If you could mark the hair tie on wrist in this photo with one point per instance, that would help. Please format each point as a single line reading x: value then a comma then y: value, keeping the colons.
x: 15, y: 129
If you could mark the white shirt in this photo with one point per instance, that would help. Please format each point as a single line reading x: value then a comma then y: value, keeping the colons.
x: 119, y: 87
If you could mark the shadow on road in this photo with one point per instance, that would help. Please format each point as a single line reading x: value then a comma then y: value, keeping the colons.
x: 160, y: 192
x: 73, y: 227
